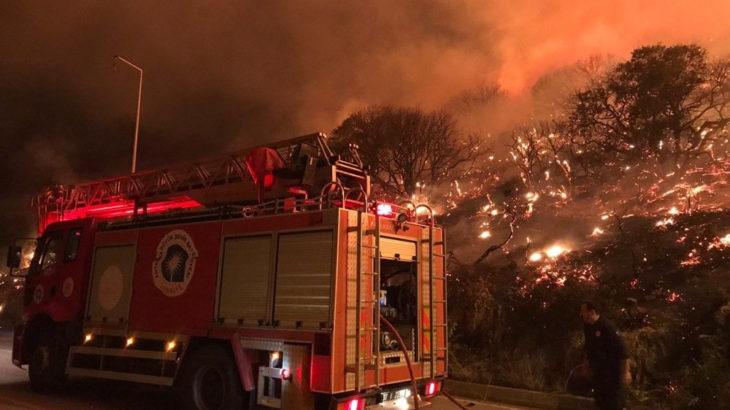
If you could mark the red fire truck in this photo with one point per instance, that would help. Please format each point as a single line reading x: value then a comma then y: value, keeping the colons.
x: 266, y: 278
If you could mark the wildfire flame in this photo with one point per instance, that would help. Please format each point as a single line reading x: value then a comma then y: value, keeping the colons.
x: 556, y: 250
x: 719, y: 243
x: 597, y: 232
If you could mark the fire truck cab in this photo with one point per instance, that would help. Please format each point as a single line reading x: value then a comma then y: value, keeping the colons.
x: 266, y: 278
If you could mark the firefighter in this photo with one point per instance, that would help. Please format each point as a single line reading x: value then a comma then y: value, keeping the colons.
x: 607, y: 358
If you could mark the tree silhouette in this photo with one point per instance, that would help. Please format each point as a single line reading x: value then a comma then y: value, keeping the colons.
x: 406, y: 147
x: 666, y: 103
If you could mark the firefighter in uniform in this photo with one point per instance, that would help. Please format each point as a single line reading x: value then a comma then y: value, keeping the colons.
x: 607, y: 358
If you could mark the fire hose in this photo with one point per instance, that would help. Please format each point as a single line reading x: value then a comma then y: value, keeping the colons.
x: 414, y: 387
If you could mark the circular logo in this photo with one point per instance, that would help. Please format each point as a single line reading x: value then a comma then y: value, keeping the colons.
x: 68, y: 287
x: 38, y: 294
x: 174, y: 263
x: 111, y: 285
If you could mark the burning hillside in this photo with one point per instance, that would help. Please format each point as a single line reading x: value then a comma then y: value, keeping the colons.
x: 665, y: 287
x: 624, y: 200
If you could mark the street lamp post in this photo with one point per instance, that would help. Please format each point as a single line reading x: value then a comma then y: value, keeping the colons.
x: 139, y: 104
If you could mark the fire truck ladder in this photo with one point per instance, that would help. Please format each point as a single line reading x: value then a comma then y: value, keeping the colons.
x: 367, y: 359
x: 300, y: 166
x: 436, y: 353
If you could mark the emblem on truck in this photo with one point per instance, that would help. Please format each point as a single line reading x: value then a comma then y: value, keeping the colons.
x: 174, y: 263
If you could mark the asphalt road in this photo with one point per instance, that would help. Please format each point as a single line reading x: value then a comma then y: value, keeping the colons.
x: 85, y: 393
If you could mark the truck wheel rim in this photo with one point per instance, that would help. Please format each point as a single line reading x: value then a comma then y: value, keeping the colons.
x: 209, y: 388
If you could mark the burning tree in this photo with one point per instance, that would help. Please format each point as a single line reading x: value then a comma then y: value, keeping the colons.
x: 542, y: 155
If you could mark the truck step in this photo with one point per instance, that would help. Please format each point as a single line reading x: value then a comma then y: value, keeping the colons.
x: 131, y: 353
x: 129, y: 377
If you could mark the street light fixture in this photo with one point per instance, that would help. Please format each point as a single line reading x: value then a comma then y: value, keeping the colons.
x: 139, y: 104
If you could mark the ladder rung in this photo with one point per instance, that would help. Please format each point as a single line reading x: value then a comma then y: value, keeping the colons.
x: 440, y: 325
x: 440, y: 301
x: 370, y: 232
x: 368, y: 329
x: 349, y: 174
x: 438, y: 255
x: 369, y: 273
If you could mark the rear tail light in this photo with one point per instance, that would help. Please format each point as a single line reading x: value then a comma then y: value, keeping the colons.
x: 356, y: 403
x: 432, y: 388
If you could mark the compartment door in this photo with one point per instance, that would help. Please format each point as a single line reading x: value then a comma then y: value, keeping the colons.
x: 111, y: 284
x: 397, y: 249
x: 245, y: 281
x: 304, y: 273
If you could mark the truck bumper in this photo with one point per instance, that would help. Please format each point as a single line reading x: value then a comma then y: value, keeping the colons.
x: 394, y: 397
x: 18, y: 345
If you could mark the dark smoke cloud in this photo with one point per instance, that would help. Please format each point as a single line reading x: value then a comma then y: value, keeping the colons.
x: 220, y: 75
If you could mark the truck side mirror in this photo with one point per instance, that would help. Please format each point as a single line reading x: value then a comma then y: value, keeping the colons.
x: 14, y: 254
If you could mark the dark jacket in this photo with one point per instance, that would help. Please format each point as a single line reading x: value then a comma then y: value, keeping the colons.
x: 605, y: 349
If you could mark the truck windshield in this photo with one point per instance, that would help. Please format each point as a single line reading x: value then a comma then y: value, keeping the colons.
x: 46, y: 253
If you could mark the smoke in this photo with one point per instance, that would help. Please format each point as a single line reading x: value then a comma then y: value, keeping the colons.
x: 223, y: 75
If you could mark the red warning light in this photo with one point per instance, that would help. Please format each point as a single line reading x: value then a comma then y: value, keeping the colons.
x: 431, y: 388
x: 355, y: 404
x: 385, y: 210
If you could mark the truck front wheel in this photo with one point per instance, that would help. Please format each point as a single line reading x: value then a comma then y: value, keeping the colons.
x: 210, y: 381
x: 46, y: 366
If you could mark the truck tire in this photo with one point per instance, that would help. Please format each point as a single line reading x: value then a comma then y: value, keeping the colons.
x: 210, y: 381
x: 46, y: 367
